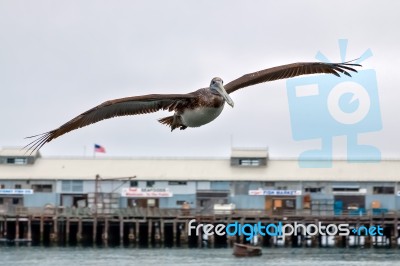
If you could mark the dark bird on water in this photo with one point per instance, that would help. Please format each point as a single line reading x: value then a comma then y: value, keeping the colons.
x: 193, y: 109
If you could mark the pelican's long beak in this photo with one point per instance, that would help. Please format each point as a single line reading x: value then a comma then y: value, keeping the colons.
x: 221, y: 90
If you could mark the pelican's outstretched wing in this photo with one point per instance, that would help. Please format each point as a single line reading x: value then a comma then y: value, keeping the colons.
x: 289, y: 71
x: 119, y: 107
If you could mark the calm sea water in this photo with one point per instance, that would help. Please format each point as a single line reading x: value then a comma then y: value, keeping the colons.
x: 63, y: 256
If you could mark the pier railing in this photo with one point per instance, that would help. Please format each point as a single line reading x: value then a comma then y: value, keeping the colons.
x: 173, y: 213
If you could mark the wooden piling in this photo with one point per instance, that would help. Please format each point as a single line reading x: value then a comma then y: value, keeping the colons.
x: 41, y: 229
x: 185, y: 233
x: 121, y: 230
x: 162, y: 237
x: 54, y: 235
x: 174, y: 232
x: 200, y: 238
x: 95, y: 230
x: 131, y: 235
x: 29, y: 234
x: 157, y: 232
x: 137, y: 231
x: 17, y: 228
x: 67, y: 229
x: 5, y: 228
x: 241, y: 237
x: 79, y: 233
x: 105, y: 231
x: 149, y: 231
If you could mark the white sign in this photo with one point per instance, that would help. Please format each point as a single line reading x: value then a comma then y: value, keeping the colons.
x: 16, y: 191
x: 136, y: 192
x: 273, y: 192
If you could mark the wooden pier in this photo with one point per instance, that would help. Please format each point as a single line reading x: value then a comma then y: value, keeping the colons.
x: 169, y: 227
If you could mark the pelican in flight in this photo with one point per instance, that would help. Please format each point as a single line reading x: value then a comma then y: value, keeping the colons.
x: 193, y: 109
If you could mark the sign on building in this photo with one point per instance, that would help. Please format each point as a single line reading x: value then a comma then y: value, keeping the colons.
x: 274, y: 192
x: 136, y: 192
x: 16, y: 191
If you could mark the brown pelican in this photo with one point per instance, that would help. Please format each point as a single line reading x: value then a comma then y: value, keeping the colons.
x: 193, y: 109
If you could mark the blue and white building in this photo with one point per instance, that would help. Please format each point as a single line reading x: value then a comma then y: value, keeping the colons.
x: 248, y: 179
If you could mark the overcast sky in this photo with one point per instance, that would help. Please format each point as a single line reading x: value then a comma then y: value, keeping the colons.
x: 60, y: 58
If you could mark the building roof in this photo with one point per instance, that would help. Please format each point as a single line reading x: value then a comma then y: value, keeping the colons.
x: 198, y: 169
x: 249, y: 153
x: 17, y: 152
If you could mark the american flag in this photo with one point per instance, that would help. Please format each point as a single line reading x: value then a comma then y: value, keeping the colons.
x: 98, y: 148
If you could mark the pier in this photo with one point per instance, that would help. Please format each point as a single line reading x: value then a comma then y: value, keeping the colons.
x: 169, y: 227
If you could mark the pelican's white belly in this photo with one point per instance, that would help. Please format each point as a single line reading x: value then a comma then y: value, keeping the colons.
x: 200, y: 116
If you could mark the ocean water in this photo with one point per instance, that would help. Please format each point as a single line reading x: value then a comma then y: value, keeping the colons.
x: 98, y: 256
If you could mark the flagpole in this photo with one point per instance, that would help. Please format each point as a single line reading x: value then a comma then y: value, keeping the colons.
x: 94, y: 152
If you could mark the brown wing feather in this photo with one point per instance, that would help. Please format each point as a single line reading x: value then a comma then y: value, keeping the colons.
x: 289, y: 71
x: 119, y: 107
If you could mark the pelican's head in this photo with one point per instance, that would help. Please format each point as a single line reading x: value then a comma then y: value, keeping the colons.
x: 216, y: 85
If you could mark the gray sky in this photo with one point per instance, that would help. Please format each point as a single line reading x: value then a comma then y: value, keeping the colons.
x: 60, y: 58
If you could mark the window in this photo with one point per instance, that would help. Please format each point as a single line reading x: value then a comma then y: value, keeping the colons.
x: 383, y: 190
x: 21, y: 161
x: 66, y: 185
x: 42, y: 188
x: 345, y: 189
x: 16, y: 201
x: 133, y: 183
x: 249, y: 162
x: 150, y: 183
x: 77, y: 186
x: 2, y: 186
x: 176, y: 183
x: 1, y: 201
x: 17, y: 160
x: 313, y: 189
x: 18, y: 186
x: 269, y: 184
x: 241, y: 188
x: 180, y: 202
x: 72, y: 186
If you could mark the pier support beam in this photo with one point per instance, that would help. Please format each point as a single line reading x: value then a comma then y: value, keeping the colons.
x: 185, y: 233
x: 241, y: 235
x: 5, y: 228
x: 137, y: 231
x: 79, y: 233
x: 121, y: 230
x: 157, y: 232
x: 149, y: 231
x: 54, y: 235
x: 29, y: 234
x: 131, y: 235
x: 94, y: 230
x: 17, y: 228
x: 67, y: 229
x: 162, y: 238
x: 105, y: 231
x: 174, y: 232
x: 41, y: 229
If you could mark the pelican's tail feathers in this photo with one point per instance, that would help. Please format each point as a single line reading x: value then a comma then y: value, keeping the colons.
x: 173, y: 121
